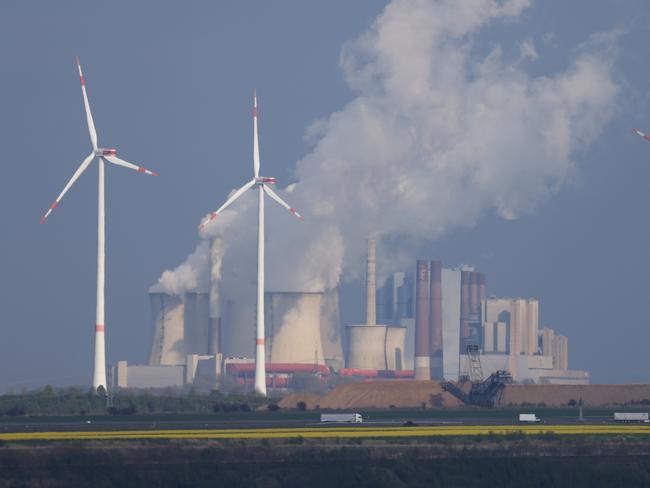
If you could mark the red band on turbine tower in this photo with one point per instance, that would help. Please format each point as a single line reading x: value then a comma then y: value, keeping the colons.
x: 99, y: 328
x: 259, y: 342
x: 254, y: 111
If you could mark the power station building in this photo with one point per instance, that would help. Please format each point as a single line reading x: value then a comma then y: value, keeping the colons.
x: 505, y: 331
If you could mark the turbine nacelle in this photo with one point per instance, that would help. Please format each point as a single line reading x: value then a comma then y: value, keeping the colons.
x: 260, y: 180
x: 105, y: 152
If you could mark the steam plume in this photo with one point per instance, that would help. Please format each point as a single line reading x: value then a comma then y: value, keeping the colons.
x: 438, y: 135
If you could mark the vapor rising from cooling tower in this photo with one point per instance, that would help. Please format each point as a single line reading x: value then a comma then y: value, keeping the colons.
x: 441, y: 131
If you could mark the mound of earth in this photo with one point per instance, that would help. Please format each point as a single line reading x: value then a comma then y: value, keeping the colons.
x: 292, y: 400
x: 377, y: 394
x: 557, y: 395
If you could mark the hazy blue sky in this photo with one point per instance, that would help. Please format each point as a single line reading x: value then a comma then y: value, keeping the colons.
x: 170, y: 86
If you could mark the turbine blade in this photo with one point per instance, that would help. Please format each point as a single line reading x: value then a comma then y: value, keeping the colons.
x: 256, y: 144
x: 82, y: 167
x: 89, y: 116
x: 645, y: 136
x: 232, y: 198
x: 126, y: 164
x: 275, y: 197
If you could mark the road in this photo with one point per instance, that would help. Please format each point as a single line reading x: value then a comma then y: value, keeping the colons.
x: 259, y: 423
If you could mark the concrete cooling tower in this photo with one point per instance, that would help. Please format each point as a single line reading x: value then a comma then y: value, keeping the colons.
x: 180, y: 327
x: 293, y: 328
x: 330, y: 329
x: 195, y: 323
x: 167, y: 313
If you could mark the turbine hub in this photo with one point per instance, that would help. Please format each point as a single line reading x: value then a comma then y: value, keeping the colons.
x: 260, y: 180
x: 105, y: 152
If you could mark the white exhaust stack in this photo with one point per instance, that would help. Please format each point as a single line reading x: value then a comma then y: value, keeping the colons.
x: 371, y: 283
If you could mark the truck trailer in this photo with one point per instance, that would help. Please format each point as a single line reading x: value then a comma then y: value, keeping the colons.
x: 529, y: 418
x: 631, y: 417
x: 341, y: 417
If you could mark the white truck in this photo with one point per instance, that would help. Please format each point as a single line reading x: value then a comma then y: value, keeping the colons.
x: 631, y: 417
x: 341, y: 417
x: 529, y: 418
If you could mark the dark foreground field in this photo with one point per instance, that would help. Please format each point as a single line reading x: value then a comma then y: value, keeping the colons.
x: 511, y: 460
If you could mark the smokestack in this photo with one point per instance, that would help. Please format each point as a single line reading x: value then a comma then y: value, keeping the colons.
x: 422, y: 368
x: 371, y: 283
x: 217, y: 248
x: 464, y: 309
x: 435, y: 319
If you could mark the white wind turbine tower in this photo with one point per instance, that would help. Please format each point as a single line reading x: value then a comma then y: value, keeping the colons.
x: 99, y: 372
x: 261, y: 182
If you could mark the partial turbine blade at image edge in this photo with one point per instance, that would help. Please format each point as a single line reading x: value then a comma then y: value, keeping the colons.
x: 126, y: 164
x: 82, y: 167
x: 230, y: 200
x: 645, y: 136
x: 275, y: 197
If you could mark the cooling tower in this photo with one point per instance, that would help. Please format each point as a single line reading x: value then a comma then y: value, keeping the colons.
x: 422, y: 371
x: 330, y: 329
x: 167, y: 316
x: 367, y: 347
x: 238, y: 329
x: 435, y: 320
x: 395, y: 340
x: 293, y: 328
x: 195, y: 320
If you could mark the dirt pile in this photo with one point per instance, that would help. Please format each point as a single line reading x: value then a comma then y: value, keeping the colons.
x: 377, y: 394
x: 558, y: 395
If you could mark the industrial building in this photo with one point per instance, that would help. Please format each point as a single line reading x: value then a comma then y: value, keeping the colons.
x: 505, y: 331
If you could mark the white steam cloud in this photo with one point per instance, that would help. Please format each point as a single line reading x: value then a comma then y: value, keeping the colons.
x: 439, y: 134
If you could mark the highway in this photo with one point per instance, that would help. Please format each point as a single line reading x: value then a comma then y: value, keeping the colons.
x: 261, y: 422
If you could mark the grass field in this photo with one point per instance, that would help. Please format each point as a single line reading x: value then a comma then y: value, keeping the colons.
x: 333, y: 432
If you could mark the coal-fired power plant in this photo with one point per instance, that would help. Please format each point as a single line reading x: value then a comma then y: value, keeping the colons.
x: 429, y: 323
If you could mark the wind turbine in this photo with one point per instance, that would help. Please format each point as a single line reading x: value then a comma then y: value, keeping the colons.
x: 262, y: 184
x: 99, y: 372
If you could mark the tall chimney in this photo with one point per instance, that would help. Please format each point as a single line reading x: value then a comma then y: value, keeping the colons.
x: 474, y: 303
x: 435, y: 319
x: 422, y: 364
x: 371, y: 283
x: 217, y: 247
x: 464, y: 309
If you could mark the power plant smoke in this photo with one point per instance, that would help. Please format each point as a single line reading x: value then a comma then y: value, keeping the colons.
x: 441, y: 131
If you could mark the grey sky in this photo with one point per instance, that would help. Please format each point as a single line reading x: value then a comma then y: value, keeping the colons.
x: 170, y: 86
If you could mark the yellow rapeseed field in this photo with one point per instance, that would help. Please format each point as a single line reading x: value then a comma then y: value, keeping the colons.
x: 331, y: 432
